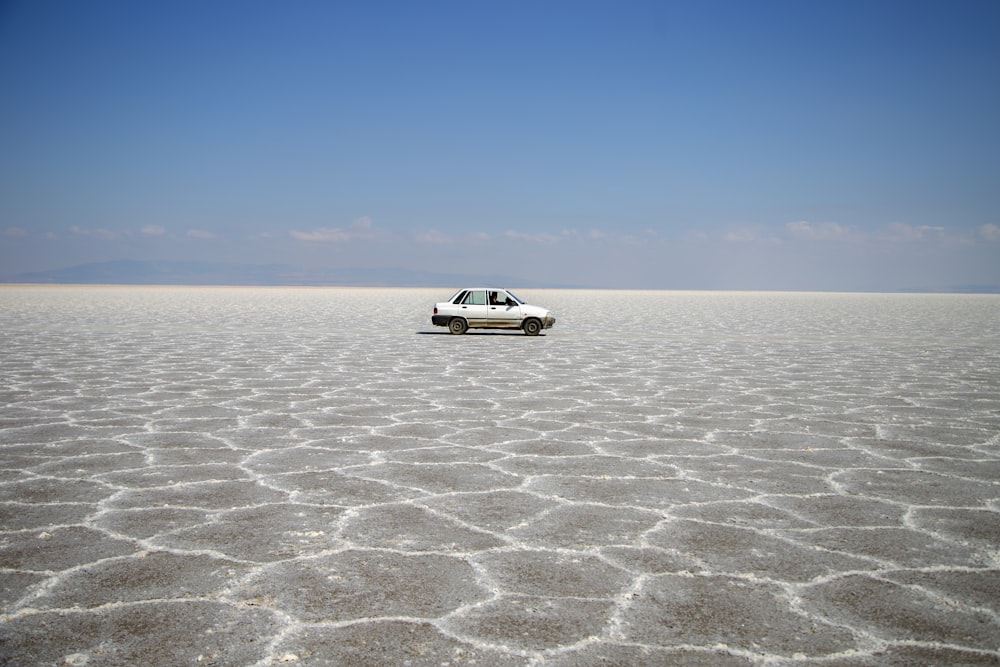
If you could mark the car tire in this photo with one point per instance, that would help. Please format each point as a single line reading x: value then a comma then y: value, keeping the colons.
x: 532, y: 327
x: 458, y: 326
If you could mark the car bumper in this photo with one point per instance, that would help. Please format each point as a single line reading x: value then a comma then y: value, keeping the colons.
x: 440, y: 320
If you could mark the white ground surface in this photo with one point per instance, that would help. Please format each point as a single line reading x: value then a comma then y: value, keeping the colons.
x: 242, y: 476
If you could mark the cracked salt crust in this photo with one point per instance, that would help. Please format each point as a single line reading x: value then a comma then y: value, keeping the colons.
x: 257, y: 477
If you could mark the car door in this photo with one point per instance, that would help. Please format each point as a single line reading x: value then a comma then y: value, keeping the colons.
x: 473, y: 308
x: 502, y: 311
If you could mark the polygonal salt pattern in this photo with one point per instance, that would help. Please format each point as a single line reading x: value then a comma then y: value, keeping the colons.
x: 317, y: 476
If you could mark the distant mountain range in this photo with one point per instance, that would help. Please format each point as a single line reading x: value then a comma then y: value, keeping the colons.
x: 131, y: 272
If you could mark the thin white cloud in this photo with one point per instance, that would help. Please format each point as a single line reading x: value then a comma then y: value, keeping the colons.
x: 438, y: 237
x: 545, y: 238
x: 153, y: 230
x: 433, y: 236
x: 990, y: 232
x: 696, y: 236
x: 900, y: 231
x: 15, y: 233
x: 199, y: 234
x: 100, y: 233
x: 744, y: 235
x: 645, y: 237
x: 891, y: 233
x: 804, y: 230
x: 323, y: 234
x: 360, y: 229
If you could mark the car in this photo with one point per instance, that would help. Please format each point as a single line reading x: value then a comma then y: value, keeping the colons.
x: 490, y: 308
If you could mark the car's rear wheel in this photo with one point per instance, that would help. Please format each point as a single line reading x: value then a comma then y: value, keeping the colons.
x: 532, y: 327
x: 458, y: 326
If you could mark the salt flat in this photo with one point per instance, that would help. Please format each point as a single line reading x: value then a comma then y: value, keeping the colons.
x: 264, y: 476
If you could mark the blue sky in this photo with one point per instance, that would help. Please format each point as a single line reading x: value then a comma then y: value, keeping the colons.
x: 829, y: 145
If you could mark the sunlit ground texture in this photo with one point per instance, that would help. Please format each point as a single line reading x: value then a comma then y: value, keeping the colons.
x: 265, y: 476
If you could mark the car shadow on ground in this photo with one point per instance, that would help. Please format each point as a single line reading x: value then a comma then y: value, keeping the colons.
x: 517, y: 332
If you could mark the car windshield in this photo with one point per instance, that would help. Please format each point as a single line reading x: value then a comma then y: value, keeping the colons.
x: 515, y: 297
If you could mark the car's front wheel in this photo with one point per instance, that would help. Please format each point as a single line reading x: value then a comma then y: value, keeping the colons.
x: 458, y: 326
x: 532, y: 327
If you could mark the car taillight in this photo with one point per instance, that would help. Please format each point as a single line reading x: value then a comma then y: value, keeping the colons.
x: 435, y: 310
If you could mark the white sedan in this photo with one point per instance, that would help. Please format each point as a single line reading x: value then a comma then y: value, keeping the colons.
x: 490, y: 308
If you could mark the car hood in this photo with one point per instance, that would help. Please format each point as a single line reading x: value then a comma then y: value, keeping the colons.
x: 537, y: 311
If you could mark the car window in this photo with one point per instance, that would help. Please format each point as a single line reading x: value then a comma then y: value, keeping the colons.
x: 458, y: 297
x: 475, y: 298
x: 516, y: 297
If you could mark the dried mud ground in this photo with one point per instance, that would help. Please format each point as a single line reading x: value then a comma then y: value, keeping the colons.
x: 272, y: 476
